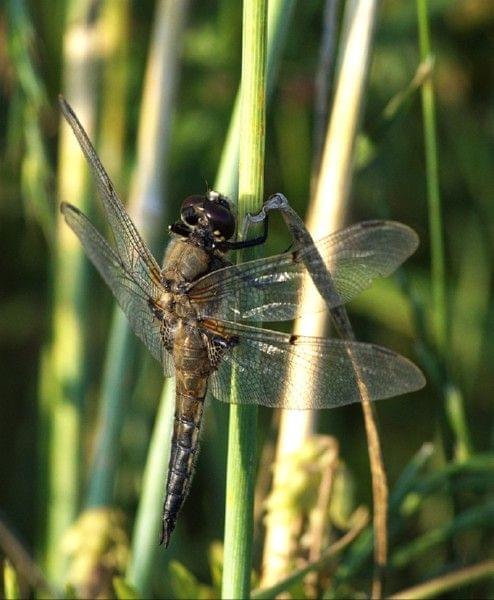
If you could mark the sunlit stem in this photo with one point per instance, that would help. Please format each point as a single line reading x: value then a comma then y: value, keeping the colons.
x: 243, y: 419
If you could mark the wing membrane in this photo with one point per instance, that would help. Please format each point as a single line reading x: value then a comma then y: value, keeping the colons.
x: 131, y: 248
x: 262, y: 359
x: 270, y: 288
x: 134, y: 290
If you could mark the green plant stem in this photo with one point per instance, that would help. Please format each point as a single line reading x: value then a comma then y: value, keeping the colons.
x: 433, y: 194
x: 454, y: 406
x: 63, y: 375
x: 118, y: 376
x: 243, y: 418
x: 147, y: 525
x: 279, y: 16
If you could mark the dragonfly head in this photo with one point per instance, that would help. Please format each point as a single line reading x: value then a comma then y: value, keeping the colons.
x: 207, y: 216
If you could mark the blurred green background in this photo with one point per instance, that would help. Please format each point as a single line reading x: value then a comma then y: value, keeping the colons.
x: 389, y: 181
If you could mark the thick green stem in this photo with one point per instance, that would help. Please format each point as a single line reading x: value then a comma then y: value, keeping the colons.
x: 63, y: 373
x: 243, y: 419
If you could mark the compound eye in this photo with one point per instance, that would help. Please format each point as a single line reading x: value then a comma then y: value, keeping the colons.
x: 221, y: 220
x: 191, y: 209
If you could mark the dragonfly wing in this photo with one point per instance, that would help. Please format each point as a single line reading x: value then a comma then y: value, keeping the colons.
x: 270, y: 288
x: 263, y: 360
x: 131, y: 248
x: 135, y: 291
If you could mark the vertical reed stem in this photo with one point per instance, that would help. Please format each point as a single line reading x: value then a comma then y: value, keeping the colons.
x: 453, y: 400
x: 243, y: 418
x: 62, y: 379
x: 433, y: 195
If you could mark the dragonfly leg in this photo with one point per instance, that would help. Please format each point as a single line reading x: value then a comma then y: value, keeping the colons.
x: 245, y: 243
x: 303, y: 238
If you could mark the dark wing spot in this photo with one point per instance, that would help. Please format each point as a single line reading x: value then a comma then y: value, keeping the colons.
x: 293, y: 339
x: 156, y: 310
x: 233, y: 341
x: 295, y: 256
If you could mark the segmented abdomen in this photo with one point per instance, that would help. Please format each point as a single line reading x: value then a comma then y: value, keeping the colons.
x: 191, y: 371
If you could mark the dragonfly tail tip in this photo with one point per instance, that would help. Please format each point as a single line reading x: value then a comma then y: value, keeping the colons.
x: 166, y: 532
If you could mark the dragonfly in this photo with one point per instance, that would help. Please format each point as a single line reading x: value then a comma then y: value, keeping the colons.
x: 193, y: 312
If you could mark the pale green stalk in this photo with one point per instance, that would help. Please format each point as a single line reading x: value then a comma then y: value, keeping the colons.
x: 454, y: 404
x: 121, y: 348
x: 115, y: 22
x: 243, y: 418
x: 147, y: 525
x: 63, y: 370
x: 433, y: 194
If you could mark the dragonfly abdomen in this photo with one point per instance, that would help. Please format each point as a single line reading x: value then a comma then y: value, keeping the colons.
x: 185, y: 447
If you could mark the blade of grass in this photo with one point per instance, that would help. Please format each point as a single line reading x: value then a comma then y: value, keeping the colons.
x: 361, y: 518
x: 243, y: 419
x: 454, y: 405
x: 479, y: 516
x: 445, y: 583
x: 433, y: 193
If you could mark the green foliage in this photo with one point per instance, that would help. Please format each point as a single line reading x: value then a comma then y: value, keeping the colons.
x: 124, y: 591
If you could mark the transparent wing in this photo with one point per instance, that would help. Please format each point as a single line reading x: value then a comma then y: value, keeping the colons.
x: 270, y: 288
x: 263, y: 360
x: 135, y: 291
x: 133, y: 252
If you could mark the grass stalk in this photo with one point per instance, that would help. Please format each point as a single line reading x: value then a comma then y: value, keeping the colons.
x: 115, y: 21
x: 361, y: 518
x: 243, y: 419
x: 147, y: 524
x: 445, y: 583
x: 62, y: 377
x: 148, y: 188
x: 433, y: 193
x: 454, y: 405
x: 279, y: 18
